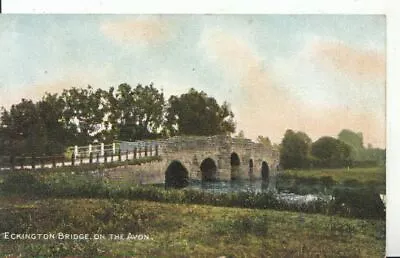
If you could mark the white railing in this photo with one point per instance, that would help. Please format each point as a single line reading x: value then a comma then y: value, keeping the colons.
x: 80, y: 155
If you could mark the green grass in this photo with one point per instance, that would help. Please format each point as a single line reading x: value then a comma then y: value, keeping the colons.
x: 362, y: 175
x: 325, y: 180
x: 359, y: 203
x: 180, y: 230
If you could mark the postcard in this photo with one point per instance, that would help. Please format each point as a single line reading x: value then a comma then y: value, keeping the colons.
x: 193, y: 135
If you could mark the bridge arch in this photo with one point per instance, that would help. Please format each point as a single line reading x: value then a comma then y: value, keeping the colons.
x: 264, y: 171
x: 208, y: 170
x: 235, y: 160
x: 235, y: 166
x: 251, y: 169
x: 176, y: 175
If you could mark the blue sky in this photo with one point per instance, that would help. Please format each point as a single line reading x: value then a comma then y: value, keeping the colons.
x: 315, y: 73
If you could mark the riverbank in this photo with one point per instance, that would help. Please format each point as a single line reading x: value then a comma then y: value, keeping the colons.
x: 181, y: 230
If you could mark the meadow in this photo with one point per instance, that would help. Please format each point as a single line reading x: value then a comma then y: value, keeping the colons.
x: 188, y: 222
x: 361, y: 175
x: 182, y: 230
x: 325, y: 180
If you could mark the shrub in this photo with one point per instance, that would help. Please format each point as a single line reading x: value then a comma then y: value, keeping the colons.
x: 327, y: 181
x: 361, y: 203
x: 22, y: 182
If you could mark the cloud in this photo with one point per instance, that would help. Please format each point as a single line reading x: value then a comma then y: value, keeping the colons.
x: 142, y: 30
x: 35, y: 91
x: 238, y: 60
x: 358, y: 63
x: 268, y: 107
x: 10, y: 96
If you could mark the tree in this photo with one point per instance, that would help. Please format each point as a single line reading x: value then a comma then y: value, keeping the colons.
x: 359, y: 153
x: 195, y: 113
x: 5, y: 136
x: 84, y: 113
x: 355, y: 141
x: 240, y: 135
x: 135, y: 113
x: 295, y: 149
x: 148, y: 112
x: 58, y: 136
x: 22, y: 129
x: 264, y: 141
x: 331, y: 152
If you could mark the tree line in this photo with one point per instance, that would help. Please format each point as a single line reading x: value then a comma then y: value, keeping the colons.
x: 79, y: 116
x: 347, y: 150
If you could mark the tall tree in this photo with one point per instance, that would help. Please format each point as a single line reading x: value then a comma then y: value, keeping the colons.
x: 195, y: 113
x: 295, y: 149
x: 149, y: 111
x: 50, y: 110
x: 331, y: 152
x: 5, y: 136
x: 84, y: 112
x: 23, y: 129
x: 135, y: 113
x: 355, y: 141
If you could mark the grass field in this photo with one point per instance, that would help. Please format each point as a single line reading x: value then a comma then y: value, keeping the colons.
x: 362, y: 175
x: 176, y: 223
x: 180, y: 230
x: 326, y: 180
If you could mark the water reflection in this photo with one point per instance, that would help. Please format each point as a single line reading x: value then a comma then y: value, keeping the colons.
x: 255, y: 186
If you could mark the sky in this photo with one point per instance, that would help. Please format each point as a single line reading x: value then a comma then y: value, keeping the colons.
x: 313, y: 73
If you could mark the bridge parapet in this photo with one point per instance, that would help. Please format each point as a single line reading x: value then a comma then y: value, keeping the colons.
x: 191, y: 151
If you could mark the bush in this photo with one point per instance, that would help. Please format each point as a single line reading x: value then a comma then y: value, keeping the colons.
x: 22, y: 182
x: 364, y: 163
x: 327, y: 181
x: 360, y: 203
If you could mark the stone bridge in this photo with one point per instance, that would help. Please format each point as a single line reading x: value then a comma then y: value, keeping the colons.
x: 218, y: 157
x: 205, y: 158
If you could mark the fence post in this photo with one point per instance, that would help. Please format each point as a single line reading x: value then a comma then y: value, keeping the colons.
x: 81, y: 159
x: 113, y: 148
x: 53, y: 160
x: 12, y: 161
x: 119, y: 155
x: 134, y: 153
x: 73, y: 160
x: 105, y: 157
x: 63, y: 161
x: 151, y: 150
x: 42, y: 162
x: 33, y: 162
x: 145, y: 150
x: 97, y: 157
x: 112, y: 157
x: 22, y: 162
x: 76, y: 151
x: 127, y: 155
x: 102, y: 149
x: 156, y: 150
x: 90, y: 149
x: 90, y: 155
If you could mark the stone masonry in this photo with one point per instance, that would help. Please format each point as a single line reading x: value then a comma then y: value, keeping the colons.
x: 191, y: 151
